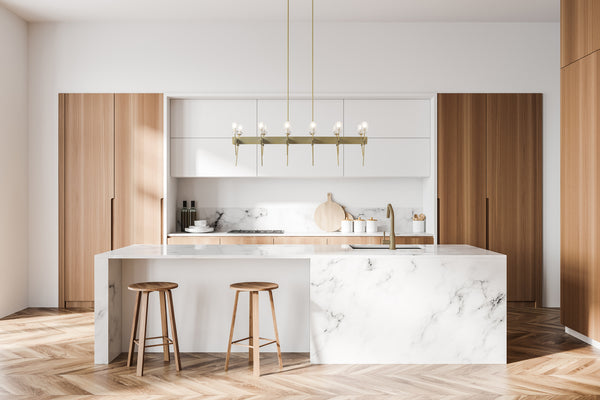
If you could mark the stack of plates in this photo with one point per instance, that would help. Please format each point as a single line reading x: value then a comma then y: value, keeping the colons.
x: 197, y: 229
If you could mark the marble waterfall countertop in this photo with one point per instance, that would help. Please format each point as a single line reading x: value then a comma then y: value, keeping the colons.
x: 437, y: 304
x: 288, y: 251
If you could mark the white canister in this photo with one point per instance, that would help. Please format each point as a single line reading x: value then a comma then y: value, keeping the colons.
x: 360, y: 225
x: 347, y: 225
x: 371, y: 225
x: 418, y: 226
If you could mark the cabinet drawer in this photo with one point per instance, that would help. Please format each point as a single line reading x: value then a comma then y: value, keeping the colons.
x: 192, y: 240
x: 247, y: 240
x: 354, y: 240
x: 300, y: 240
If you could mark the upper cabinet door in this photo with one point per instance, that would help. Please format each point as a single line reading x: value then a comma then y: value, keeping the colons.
x: 579, y: 30
x: 211, y: 118
x: 273, y: 113
x: 389, y: 158
x: 389, y: 118
x: 138, y: 169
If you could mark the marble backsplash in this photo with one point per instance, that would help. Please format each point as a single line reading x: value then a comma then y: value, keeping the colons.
x: 295, y: 219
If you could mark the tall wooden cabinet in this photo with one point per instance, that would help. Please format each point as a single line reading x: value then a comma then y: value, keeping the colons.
x: 110, y: 182
x: 490, y: 181
x: 580, y: 173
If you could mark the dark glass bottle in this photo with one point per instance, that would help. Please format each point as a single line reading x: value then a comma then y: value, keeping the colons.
x: 192, y: 213
x: 185, y: 216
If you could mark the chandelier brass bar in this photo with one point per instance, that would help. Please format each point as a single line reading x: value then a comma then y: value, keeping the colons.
x: 299, y: 140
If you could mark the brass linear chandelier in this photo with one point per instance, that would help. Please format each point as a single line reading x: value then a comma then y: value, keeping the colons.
x: 263, y: 139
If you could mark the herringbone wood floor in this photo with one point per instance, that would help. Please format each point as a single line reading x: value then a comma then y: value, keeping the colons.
x: 48, y: 354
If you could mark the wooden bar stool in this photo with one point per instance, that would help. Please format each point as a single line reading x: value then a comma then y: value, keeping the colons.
x: 143, y: 290
x: 254, y: 339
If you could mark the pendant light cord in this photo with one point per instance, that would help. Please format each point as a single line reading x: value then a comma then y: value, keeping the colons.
x: 313, y: 60
x: 288, y: 60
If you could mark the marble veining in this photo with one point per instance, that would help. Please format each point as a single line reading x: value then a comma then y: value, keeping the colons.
x: 294, y: 219
x: 437, y: 304
x: 408, y: 310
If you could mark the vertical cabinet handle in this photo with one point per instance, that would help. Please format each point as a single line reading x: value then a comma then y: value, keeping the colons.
x: 112, y: 223
x: 439, y: 221
x: 487, y: 223
x: 162, y: 201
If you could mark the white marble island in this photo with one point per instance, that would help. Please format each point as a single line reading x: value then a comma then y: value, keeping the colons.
x: 436, y: 304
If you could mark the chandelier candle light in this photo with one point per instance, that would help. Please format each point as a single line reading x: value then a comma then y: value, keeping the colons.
x: 336, y: 139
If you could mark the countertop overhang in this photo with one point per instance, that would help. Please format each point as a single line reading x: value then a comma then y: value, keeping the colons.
x: 175, y: 251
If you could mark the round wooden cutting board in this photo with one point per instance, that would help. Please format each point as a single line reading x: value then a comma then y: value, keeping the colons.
x: 329, y: 215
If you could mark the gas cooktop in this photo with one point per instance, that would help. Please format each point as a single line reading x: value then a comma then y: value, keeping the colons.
x: 259, y: 231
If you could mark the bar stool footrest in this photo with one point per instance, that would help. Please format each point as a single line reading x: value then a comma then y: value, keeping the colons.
x: 237, y: 342
x: 169, y: 341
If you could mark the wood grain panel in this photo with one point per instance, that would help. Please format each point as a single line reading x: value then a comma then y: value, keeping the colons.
x: 461, y: 169
x: 354, y: 240
x: 138, y: 169
x: 514, y: 187
x: 88, y: 188
x: 193, y: 240
x: 61, y: 199
x: 314, y: 240
x: 247, y: 240
x: 414, y: 239
x: 580, y: 196
x: 579, y: 29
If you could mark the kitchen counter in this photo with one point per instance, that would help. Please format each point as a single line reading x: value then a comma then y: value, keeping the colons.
x: 296, y: 234
x: 436, y: 304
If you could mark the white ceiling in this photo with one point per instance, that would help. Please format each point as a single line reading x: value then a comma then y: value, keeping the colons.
x: 274, y: 10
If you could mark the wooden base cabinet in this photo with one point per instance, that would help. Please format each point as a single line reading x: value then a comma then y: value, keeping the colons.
x: 490, y: 181
x: 110, y: 182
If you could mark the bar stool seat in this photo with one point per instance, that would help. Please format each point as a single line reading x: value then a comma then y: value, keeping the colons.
x: 143, y: 290
x: 152, y: 286
x: 253, y: 288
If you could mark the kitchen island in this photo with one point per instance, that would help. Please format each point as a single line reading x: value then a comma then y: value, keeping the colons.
x: 442, y: 304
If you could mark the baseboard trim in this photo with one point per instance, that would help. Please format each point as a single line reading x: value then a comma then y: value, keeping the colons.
x: 582, y: 337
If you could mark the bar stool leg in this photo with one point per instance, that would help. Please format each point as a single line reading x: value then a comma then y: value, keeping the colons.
x: 250, y: 343
x: 275, y: 329
x: 255, y: 335
x: 165, y: 326
x: 142, y: 336
x: 134, y: 325
x: 235, y: 302
x: 174, y: 331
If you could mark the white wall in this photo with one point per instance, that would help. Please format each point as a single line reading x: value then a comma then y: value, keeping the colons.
x: 13, y: 163
x: 249, y: 58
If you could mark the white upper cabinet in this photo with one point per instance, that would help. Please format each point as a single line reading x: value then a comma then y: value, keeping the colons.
x: 211, y: 118
x: 389, y: 158
x: 204, y: 157
x: 408, y: 118
x: 273, y: 114
x: 327, y: 112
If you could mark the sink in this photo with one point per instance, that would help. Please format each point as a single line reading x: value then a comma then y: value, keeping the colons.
x: 384, y: 247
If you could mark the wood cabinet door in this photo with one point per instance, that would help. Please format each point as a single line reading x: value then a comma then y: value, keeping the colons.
x: 580, y: 196
x: 247, y: 240
x: 138, y: 169
x: 461, y: 169
x: 579, y: 29
x: 193, y: 240
x: 354, y: 240
x: 86, y: 138
x: 514, y: 188
x: 314, y: 240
